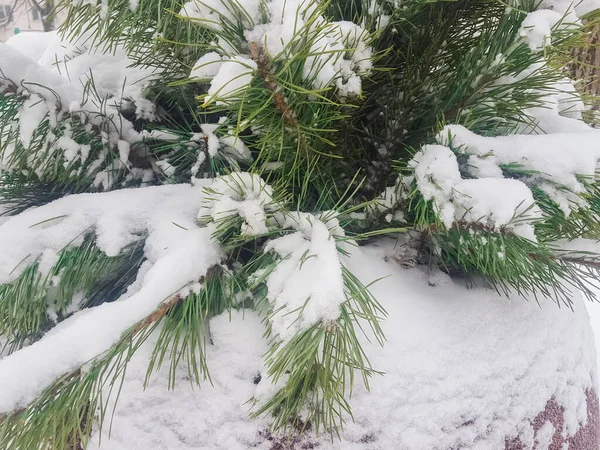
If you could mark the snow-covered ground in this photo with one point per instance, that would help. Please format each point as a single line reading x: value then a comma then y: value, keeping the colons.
x: 464, y: 367
x: 594, y: 311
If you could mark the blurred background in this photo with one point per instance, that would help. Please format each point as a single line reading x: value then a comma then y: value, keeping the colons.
x: 21, y: 16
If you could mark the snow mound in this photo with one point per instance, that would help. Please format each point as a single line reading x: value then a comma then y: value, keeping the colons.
x: 464, y: 368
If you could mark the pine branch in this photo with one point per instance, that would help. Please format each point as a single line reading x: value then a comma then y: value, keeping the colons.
x: 56, y: 418
x: 33, y: 303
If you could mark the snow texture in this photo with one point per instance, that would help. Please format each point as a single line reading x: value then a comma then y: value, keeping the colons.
x: 538, y: 26
x: 306, y: 287
x: 240, y: 194
x: 52, y: 97
x: 114, y: 74
x: 340, y: 50
x: 559, y: 161
x: 463, y: 368
x: 70, y: 83
x: 207, y: 66
x: 232, y: 78
x: 178, y: 250
x: 580, y: 7
x: 494, y: 202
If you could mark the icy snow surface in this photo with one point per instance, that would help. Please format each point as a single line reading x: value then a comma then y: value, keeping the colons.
x: 463, y: 367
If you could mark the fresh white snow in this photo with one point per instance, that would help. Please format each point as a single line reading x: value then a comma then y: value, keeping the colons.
x: 494, y: 202
x: 179, y: 251
x: 462, y: 367
x: 340, y: 51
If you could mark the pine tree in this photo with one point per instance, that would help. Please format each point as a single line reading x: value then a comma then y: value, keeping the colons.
x: 260, y: 142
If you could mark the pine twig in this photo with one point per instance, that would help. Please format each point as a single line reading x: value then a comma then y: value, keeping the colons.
x: 581, y: 261
x: 259, y: 56
x: 157, y: 314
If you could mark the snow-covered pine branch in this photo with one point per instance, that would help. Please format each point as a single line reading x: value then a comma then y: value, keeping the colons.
x: 249, y: 147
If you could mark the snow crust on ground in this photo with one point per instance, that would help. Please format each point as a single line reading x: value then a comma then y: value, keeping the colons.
x: 463, y: 367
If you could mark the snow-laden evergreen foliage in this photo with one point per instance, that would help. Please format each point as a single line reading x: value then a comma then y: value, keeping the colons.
x: 260, y: 140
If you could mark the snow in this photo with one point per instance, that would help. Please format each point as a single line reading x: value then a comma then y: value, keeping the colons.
x: 214, y: 417
x: 32, y: 44
x: 306, y: 287
x: 74, y: 83
x: 594, y: 312
x: 212, y: 14
x: 207, y: 66
x: 239, y: 194
x: 581, y: 7
x: 558, y: 156
x: 494, y: 202
x: 17, y: 67
x: 180, y: 253
x: 544, y: 436
x: 27, y: 372
x: 67, y: 66
x: 60, y: 97
x: 32, y: 112
x: 166, y: 168
x: 340, y: 51
x: 113, y: 77
x: 463, y: 367
x: 116, y: 218
x: 232, y: 78
x: 113, y: 73
x: 212, y: 141
x: 124, y: 149
x: 559, y: 160
x: 537, y: 27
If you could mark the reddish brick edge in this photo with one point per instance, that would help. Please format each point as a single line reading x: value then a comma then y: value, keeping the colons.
x: 586, y: 438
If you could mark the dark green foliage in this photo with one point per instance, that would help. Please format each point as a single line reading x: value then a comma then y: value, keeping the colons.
x: 40, y: 172
x: 34, y: 302
x: 450, y: 71
x: 511, y: 263
x: 434, y: 63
